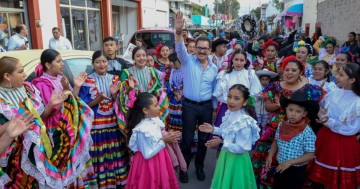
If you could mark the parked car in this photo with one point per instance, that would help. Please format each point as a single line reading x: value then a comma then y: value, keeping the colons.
x: 151, y: 37
x: 74, y: 61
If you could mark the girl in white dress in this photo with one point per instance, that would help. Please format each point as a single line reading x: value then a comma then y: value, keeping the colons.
x: 321, y: 76
x: 237, y: 73
x: 337, y: 149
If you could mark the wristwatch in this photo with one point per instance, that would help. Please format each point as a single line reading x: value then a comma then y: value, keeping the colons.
x: 178, y: 32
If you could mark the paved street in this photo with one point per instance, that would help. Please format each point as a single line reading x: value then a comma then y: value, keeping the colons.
x: 194, y: 183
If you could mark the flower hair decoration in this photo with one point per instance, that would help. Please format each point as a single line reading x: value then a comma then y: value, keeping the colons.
x: 158, y: 50
x: 345, y: 50
x: 301, y: 43
x: 271, y: 42
x: 290, y: 58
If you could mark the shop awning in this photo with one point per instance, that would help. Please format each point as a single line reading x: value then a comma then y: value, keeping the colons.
x: 174, y: 10
x: 295, y: 10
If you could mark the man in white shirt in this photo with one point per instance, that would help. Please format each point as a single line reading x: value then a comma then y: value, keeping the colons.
x: 59, y: 42
x: 19, y: 41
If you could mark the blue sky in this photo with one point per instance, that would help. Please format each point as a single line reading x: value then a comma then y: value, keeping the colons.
x: 245, y: 5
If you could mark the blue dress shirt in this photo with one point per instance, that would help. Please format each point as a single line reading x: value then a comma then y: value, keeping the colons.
x: 199, y: 83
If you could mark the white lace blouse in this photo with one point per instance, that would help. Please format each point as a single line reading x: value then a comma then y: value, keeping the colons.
x: 328, y: 86
x: 146, y: 137
x: 343, y: 107
x: 239, y: 131
x: 225, y: 81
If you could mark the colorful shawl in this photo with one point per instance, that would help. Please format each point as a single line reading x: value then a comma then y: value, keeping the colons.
x: 124, y: 97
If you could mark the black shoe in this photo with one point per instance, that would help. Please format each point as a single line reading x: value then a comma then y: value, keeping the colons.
x: 200, y: 175
x: 183, y: 177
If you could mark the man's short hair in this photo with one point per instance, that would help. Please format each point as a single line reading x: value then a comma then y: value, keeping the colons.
x: 56, y: 28
x: 202, y: 38
x: 19, y: 27
x: 109, y: 38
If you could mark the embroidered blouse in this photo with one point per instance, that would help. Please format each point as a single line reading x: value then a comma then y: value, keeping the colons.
x: 147, y: 137
x: 238, y: 130
x: 343, y: 108
x: 226, y: 80
x: 328, y: 86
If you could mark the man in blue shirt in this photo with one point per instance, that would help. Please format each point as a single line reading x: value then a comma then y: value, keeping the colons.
x: 19, y: 40
x: 199, y: 79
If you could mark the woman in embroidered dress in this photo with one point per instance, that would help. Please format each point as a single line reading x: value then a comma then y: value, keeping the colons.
x: 239, y: 132
x: 47, y: 165
x: 303, y: 52
x: 175, y: 94
x: 321, y: 76
x: 50, y: 80
x: 237, y: 73
x: 163, y: 63
x: 151, y: 167
x: 142, y: 79
x: 270, y: 61
x: 337, y: 149
x: 325, y: 47
x: 292, y: 73
x: 108, y: 152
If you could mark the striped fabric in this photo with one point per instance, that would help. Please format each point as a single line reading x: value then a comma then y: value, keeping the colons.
x: 108, y: 152
x: 60, y: 165
x: 153, y: 86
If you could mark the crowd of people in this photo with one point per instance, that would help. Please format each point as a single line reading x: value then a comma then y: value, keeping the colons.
x: 287, y: 115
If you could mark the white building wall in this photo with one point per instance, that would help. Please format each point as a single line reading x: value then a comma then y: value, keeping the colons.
x: 155, y: 13
x: 48, y: 17
x: 309, y: 15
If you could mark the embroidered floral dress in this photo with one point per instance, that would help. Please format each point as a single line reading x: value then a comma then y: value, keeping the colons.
x: 32, y: 160
x: 175, y: 106
x: 272, y: 92
x: 108, y: 152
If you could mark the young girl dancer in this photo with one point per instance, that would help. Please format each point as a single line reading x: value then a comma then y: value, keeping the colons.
x: 239, y: 132
x: 337, y: 151
x: 321, y: 76
x: 151, y: 166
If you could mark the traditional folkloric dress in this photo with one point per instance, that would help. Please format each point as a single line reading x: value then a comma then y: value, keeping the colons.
x: 145, y: 80
x: 337, y: 152
x: 175, y: 106
x: 233, y: 168
x: 32, y: 161
x: 108, y: 152
x: 272, y: 92
x: 225, y: 81
x: 165, y: 68
x: 48, y: 84
x: 151, y: 167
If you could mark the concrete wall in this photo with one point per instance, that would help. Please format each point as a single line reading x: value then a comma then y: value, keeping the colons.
x: 339, y: 17
x: 155, y: 13
x: 310, y: 15
x: 48, y: 18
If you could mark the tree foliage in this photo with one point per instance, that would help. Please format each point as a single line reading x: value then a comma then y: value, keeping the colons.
x: 279, y: 6
x: 198, y: 10
x: 228, y: 7
x: 256, y: 12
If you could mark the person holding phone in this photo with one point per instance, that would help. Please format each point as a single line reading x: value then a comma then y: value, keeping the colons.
x: 19, y: 41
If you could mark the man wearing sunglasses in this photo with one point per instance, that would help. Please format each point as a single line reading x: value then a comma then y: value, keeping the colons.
x: 199, y: 82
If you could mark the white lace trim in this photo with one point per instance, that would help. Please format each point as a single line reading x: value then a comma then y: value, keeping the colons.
x: 3, y: 180
x: 151, y: 128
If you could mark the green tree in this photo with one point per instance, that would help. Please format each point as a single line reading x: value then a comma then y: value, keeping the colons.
x: 256, y: 12
x: 228, y: 7
x: 279, y: 6
x: 198, y: 10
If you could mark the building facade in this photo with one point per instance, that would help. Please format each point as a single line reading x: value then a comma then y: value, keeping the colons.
x: 84, y: 22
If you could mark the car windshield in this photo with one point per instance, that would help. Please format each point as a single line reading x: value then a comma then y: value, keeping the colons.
x: 151, y: 40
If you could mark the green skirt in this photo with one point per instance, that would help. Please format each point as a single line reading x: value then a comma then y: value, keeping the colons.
x: 233, y: 171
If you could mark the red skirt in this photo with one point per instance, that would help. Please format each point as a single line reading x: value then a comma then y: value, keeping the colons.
x: 337, y: 160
